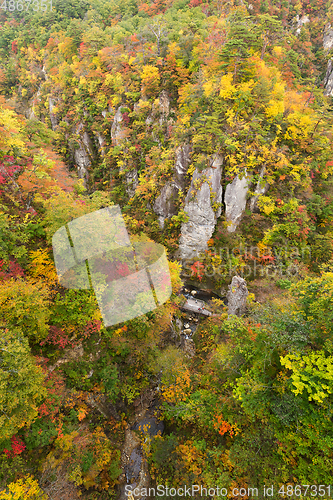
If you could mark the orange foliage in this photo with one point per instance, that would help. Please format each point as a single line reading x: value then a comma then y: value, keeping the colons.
x: 179, y: 390
x: 192, y: 457
x: 222, y: 426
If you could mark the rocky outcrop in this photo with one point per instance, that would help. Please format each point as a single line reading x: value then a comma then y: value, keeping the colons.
x: 261, y: 188
x: 53, y: 118
x: 118, y: 134
x: 236, y: 296
x: 105, y: 111
x: 101, y: 143
x: 301, y: 21
x: 328, y: 44
x: 165, y: 205
x: 162, y: 108
x: 30, y: 113
x: 83, y: 153
x: 205, y: 191
x: 183, y: 160
x: 117, y: 129
x: 44, y: 73
x: 328, y: 37
x: 159, y: 116
x: 329, y: 79
x: 235, y: 201
x: 132, y: 181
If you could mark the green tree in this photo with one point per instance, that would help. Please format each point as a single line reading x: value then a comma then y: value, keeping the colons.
x: 63, y: 207
x: 315, y: 302
x: 242, y: 39
x: 25, y: 304
x: 21, y: 388
x: 12, y: 238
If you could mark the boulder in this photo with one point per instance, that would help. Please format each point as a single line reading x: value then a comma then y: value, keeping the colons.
x: 236, y: 296
x: 235, y: 200
x: 188, y: 348
x: 150, y: 426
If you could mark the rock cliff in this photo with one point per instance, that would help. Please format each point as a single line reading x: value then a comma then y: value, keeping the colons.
x: 83, y: 152
x: 165, y: 204
x: 328, y: 44
x: 235, y: 200
x: 205, y: 191
x: 261, y: 188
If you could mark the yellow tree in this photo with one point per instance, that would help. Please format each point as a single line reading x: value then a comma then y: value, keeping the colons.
x: 11, y: 129
x: 26, y: 488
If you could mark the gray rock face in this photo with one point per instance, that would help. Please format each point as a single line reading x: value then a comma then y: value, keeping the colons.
x: 329, y: 79
x: 159, y: 115
x: 44, y: 73
x: 53, y: 118
x: 118, y: 135
x: 101, y: 143
x: 165, y: 205
x: 30, y: 114
x: 198, y: 205
x: 105, y: 111
x: 83, y: 154
x: 132, y: 181
x: 328, y: 44
x: 235, y: 200
x: 164, y: 105
x: 183, y: 160
x: 163, y: 108
x: 117, y: 129
x: 300, y: 22
x: 236, y: 296
x: 328, y: 37
x: 261, y: 188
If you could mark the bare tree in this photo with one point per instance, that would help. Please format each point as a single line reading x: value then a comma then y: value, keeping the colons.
x: 158, y: 29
